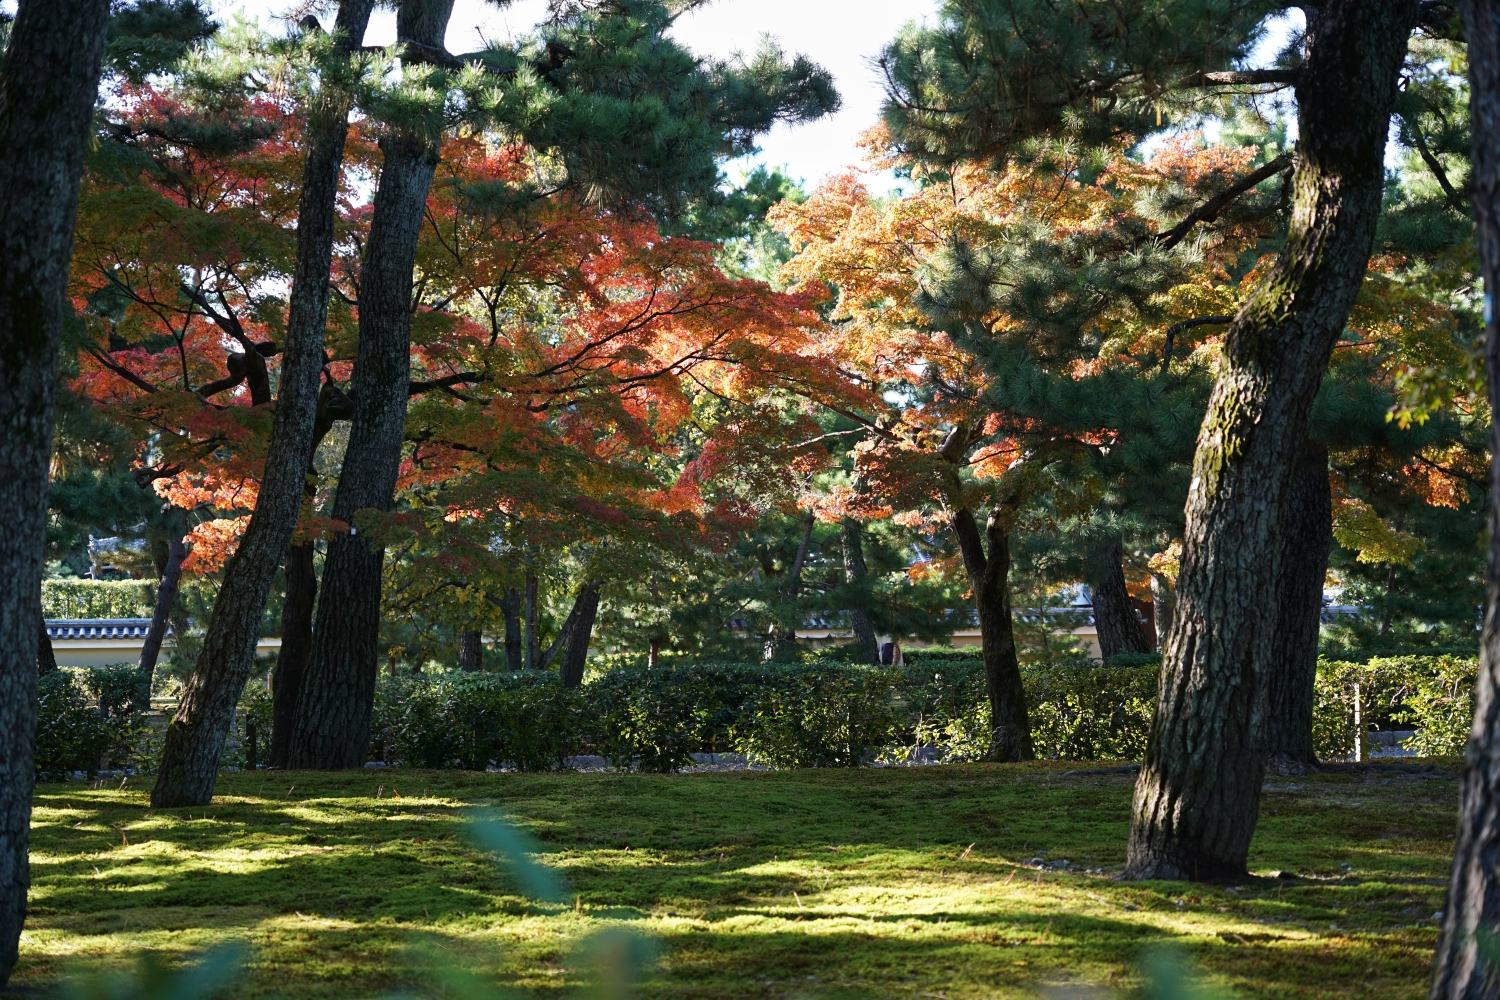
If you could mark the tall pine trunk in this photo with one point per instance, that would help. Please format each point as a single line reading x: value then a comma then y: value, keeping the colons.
x: 300, y: 573
x: 195, y: 737
x: 577, y: 632
x: 855, y: 572
x: 1115, y: 620
x: 1198, y: 793
x: 533, y: 654
x: 989, y: 578
x: 1464, y: 966
x: 46, y: 657
x: 161, y: 613
x: 338, y: 694
x: 780, y: 639
x: 48, y: 83
x: 1306, y: 536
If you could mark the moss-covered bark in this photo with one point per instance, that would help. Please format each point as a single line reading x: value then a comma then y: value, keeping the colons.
x: 1197, y: 796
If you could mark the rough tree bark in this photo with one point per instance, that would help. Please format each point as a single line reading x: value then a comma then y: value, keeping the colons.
x: 1306, y: 536
x: 989, y: 578
x: 470, y: 650
x: 1198, y: 792
x: 338, y: 692
x: 166, y: 593
x: 855, y: 572
x: 1163, y: 603
x: 1463, y: 968
x: 1118, y: 628
x: 195, y: 736
x: 577, y: 632
x: 47, y: 87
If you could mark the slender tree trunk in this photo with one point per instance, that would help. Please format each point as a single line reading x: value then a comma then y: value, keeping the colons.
x: 855, y: 572
x: 48, y: 83
x: 989, y: 578
x: 1163, y: 602
x: 1115, y: 620
x: 510, y: 606
x: 577, y: 632
x: 780, y: 639
x: 338, y: 697
x: 1198, y: 792
x: 166, y: 593
x: 470, y: 650
x: 46, y: 658
x: 195, y: 737
x: 533, y: 643
x: 1464, y: 966
x: 1306, y: 536
x: 300, y: 571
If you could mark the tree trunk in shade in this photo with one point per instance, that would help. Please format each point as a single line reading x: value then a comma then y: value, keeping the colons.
x: 510, y: 606
x: 1163, y: 601
x: 850, y: 535
x: 470, y: 650
x: 48, y: 83
x: 577, y: 632
x: 989, y: 578
x: 528, y: 622
x: 1198, y: 793
x: 46, y: 658
x: 296, y: 645
x: 1306, y: 536
x: 1465, y: 966
x: 1118, y: 628
x: 161, y: 613
x: 195, y: 736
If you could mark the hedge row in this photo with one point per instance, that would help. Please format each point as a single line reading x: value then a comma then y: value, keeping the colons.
x: 820, y: 713
x: 98, y: 598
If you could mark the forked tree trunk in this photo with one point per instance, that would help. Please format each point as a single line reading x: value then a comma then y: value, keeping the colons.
x: 1306, y: 536
x: 300, y: 572
x: 1465, y: 966
x: 1115, y: 621
x: 1198, y: 792
x: 338, y: 695
x: 470, y: 650
x: 161, y: 614
x: 47, y: 87
x: 577, y: 632
x: 989, y: 578
x: 195, y: 736
x: 855, y: 572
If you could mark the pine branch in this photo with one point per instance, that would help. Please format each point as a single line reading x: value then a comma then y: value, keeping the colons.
x: 1419, y: 142
x: 1187, y: 324
x: 1210, y: 209
x: 1246, y: 78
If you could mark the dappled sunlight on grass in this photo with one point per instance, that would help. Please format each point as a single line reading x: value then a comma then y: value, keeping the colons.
x: 882, y: 883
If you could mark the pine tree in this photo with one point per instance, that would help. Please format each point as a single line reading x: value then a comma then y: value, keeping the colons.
x: 1034, y: 73
x: 49, y: 76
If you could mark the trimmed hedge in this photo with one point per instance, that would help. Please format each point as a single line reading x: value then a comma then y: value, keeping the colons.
x: 98, y: 598
x: 86, y: 721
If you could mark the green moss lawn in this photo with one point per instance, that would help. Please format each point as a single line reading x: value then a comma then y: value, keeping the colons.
x: 837, y: 884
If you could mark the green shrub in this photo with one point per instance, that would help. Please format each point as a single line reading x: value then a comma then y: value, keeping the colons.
x: 657, y: 717
x: 1433, y: 694
x: 471, y: 721
x: 86, y: 721
x: 98, y: 598
x: 819, y: 716
x: 1091, y: 713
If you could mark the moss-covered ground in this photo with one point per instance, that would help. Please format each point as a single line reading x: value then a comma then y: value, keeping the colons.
x: 912, y: 883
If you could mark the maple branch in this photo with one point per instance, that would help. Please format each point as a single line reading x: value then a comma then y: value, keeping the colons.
x: 120, y: 370
x: 1210, y: 209
x: 150, y: 474
x: 1187, y: 324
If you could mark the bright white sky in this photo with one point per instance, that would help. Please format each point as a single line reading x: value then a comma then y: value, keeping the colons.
x: 844, y: 36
